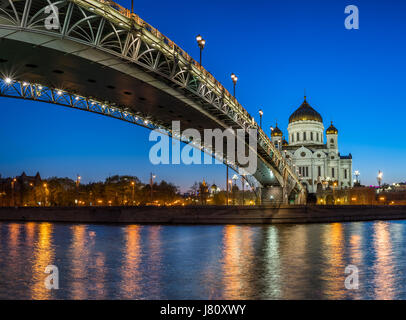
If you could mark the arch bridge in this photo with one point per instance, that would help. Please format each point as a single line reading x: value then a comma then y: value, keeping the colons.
x: 102, y: 58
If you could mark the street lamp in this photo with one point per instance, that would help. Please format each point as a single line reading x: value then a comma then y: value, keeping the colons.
x: 379, y: 177
x: 46, y: 193
x: 12, y: 187
x: 78, y: 178
x: 230, y: 185
x: 235, y: 178
x: 151, y: 183
x: 200, y: 42
x: 132, y: 195
x: 356, y: 173
x: 242, y: 184
x: 261, y: 113
x: 235, y: 79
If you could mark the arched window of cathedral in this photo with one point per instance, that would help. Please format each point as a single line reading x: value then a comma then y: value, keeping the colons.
x: 303, y: 154
x: 311, y: 136
x: 304, y: 136
x: 297, y: 136
x: 292, y: 137
x: 331, y: 143
x: 317, y: 136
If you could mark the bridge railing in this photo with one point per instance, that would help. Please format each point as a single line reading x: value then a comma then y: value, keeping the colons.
x: 155, y: 32
x: 207, y: 75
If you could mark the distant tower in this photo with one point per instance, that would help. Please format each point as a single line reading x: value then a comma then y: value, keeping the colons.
x: 332, y: 137
x: 276, y: 136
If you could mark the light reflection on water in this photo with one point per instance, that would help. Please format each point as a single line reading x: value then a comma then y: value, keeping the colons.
x: 203, y: 262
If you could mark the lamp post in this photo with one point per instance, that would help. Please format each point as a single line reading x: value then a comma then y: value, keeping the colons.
x: 235, y: 79
x: 230, y: 182
x: 235, y: 178
x: 151, y: 183
x: 45, y: 192
x: 261, y: 113
x: 227, y: 184
x: 78, y: 178
x: 200, y: 42
x: 12, y: 190
x: 242, y: 185
x: 356, y: 173
x: 379, y: 178
x: 133, y: 190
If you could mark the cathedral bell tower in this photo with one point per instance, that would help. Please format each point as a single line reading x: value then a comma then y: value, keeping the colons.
x: 332, y: 137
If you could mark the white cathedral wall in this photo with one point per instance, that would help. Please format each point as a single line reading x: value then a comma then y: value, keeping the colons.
x: 304, y: 130
x: 326, y: 164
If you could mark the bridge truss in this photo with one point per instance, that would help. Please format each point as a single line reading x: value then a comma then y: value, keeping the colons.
x: 112, y: 29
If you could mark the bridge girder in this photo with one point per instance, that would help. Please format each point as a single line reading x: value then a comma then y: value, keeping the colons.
x: 106, y: 35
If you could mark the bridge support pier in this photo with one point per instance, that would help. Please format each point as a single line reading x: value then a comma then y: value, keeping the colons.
x: 273, y: 195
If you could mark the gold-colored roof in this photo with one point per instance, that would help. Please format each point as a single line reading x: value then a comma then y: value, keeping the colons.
x: 276, y: 132
x: 331, y: 129
x: 305, y: 112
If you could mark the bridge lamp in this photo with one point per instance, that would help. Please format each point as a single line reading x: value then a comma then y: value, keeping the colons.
x: 59, y: 92
x: 261, y: 113
x: 235, y: 79
x: 8, y: 80
x: 200, y: 42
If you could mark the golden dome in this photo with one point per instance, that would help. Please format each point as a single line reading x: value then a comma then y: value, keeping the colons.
x: 304, y: 113
x: 331, y: 129
x: 276, y: 132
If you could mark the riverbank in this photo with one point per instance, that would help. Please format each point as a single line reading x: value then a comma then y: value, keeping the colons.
x: 204, y: 214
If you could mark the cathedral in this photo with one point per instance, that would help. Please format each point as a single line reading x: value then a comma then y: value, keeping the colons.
x: 314, y: 156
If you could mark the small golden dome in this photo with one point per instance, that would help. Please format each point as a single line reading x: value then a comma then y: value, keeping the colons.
x: 276, y: 132
x: 331, y: 129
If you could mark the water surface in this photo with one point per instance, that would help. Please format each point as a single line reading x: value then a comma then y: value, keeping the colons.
x: 203, y: 262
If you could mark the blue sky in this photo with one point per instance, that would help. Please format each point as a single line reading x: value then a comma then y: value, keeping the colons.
x: 277, y: 49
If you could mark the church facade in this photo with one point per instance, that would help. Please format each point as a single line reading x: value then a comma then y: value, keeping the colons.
x: 314, y: 156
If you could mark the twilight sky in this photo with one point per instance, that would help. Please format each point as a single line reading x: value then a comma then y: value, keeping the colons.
x: 277, y: 48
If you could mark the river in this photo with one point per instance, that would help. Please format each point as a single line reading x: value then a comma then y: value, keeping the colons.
x: 203, y: 262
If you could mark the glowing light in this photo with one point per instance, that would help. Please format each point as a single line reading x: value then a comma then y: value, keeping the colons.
x: 59, y: 92
x: 8, y: 80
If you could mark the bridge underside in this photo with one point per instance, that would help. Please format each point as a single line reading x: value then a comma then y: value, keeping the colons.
x: 104, y: 59
x: 115, y: 82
